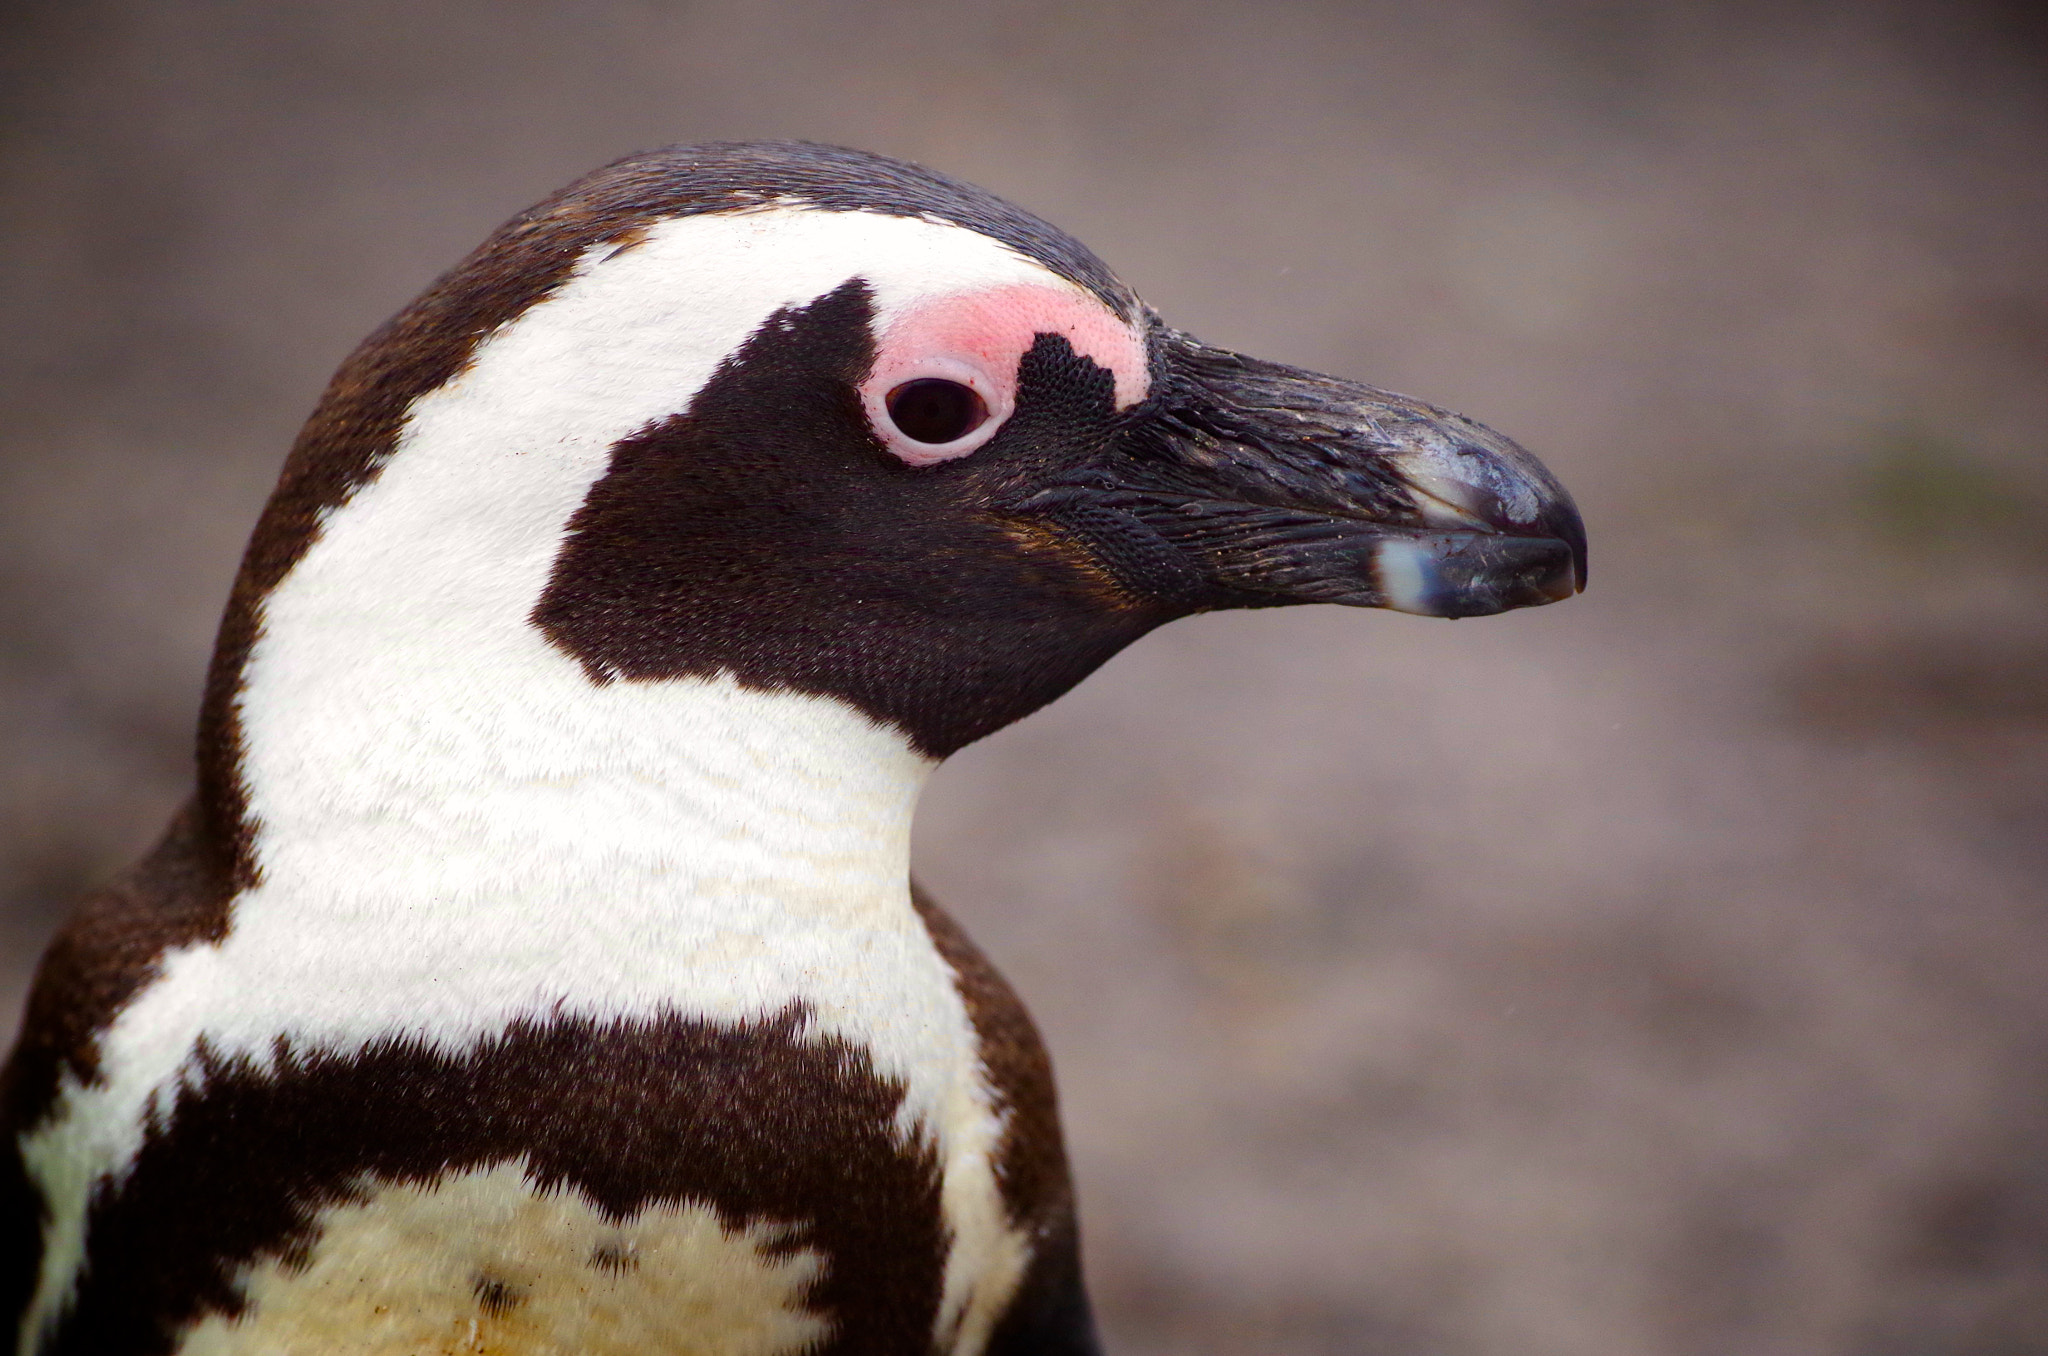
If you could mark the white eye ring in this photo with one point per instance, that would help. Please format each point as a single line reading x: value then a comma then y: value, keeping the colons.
x: 890, y: 377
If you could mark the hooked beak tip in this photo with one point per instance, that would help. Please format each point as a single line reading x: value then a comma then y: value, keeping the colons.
x: 1501, y: 533
x: 1571, y: 530
x: 1560, y: 518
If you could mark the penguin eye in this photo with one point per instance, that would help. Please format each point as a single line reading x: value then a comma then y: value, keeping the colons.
x: 926, y: 407
x: 933, y: 410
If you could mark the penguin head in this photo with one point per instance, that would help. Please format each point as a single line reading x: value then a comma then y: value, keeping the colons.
x: 825, y: 422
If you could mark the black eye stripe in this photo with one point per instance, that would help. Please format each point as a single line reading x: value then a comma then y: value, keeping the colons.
x: 934, y: 410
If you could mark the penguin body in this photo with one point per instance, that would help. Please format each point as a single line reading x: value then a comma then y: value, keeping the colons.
x: 537, y: 968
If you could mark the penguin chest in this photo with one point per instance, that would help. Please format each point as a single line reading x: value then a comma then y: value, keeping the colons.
x: 717, y: 1145
x: 482, y: 1260
x: 575, y: 1185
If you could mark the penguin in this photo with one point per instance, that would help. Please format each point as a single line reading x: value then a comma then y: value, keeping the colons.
x: 537, y: 968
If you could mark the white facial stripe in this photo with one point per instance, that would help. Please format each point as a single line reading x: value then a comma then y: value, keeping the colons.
x: 997, y: 326
x: 457, y: 829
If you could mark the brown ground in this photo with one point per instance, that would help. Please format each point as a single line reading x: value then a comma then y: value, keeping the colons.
x: 1654, y: 975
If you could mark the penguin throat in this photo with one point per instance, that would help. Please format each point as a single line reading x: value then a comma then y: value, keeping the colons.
x: 510, y: 791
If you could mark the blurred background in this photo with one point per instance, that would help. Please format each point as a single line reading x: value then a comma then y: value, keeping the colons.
x: 1661, y: 973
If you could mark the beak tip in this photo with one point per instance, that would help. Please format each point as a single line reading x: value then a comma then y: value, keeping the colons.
x: 1474, y: 574
x: 1574, y: 536
x: 1490, y: 486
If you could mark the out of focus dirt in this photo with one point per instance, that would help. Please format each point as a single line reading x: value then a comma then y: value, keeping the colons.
x: 1658, y: 974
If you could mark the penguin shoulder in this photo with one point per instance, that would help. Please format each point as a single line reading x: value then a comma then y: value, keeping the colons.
x: 106, y: 954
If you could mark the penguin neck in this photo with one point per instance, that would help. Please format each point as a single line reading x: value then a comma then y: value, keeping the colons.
x: 681, y: 794
x: 407, y: 735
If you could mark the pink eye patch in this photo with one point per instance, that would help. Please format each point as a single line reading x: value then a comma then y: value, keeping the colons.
x: 945, y: 371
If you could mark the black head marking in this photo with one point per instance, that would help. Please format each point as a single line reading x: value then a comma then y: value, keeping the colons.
x: 766, y: 533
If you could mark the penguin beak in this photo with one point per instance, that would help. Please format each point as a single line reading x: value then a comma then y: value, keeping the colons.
x: 1272, y: 485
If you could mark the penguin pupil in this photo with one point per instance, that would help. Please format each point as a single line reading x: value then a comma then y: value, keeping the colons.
x: 933, y: 410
